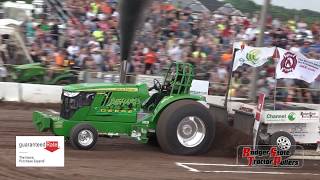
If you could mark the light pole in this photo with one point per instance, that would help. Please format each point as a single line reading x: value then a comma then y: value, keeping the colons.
x: 259, y: 43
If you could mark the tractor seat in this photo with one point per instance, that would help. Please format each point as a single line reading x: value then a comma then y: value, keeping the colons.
x: 152, y: 101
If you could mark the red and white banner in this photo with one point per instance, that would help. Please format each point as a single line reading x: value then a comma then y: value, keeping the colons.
x: 297, y: 66
x: 260, y: 105
x: 257, y: 121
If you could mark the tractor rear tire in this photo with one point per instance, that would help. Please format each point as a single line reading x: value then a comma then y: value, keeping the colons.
x: 83, y: 137
x: 185, y: 127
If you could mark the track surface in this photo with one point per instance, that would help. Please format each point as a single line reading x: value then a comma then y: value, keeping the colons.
x: 121, y: 159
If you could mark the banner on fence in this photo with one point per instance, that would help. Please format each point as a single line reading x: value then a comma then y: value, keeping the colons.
x: 252, y: 56
x: 199, y: 87
x: 288, y: 116
x: 297, y: 66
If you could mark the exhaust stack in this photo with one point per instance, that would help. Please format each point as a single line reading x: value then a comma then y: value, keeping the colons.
x: 131, y: 15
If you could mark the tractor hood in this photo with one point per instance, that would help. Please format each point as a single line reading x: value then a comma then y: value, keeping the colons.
x: 95, y: 87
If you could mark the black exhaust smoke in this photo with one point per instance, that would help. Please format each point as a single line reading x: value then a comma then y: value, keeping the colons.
x: 131, y: 16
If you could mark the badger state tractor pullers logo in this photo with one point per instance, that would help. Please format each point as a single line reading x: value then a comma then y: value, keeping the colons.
x: 268, y: 156
x: 289, y: 62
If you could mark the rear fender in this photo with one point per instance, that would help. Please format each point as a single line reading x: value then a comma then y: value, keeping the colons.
x: 165, y: 102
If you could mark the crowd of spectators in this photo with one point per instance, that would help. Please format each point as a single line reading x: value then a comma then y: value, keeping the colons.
x: 170, y: 33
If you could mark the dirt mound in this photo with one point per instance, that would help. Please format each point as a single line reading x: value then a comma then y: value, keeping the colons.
x: 226, y: 141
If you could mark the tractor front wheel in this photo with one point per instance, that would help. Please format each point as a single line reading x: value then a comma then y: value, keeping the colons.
x: 83, y: 137
x: 185, y: 127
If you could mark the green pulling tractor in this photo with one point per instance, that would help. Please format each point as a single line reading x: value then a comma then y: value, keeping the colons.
x: 38, y: 73
x: 180, y: 122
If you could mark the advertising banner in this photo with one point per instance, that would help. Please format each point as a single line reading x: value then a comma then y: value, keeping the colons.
x: 252, y: 56
x: 297, y: 66
x: 199, y: 87
x: 268, y: 156
x: 39, y: 151
x: 287, y: 116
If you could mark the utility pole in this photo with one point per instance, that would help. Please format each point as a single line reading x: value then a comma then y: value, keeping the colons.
x: 259, y: 43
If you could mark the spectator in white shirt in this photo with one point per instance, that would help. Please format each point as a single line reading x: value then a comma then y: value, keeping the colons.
x: 73, y: 50
x: 175, y: 53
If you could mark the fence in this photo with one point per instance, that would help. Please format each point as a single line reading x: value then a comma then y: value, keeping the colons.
x: 280, y: 93
x: 34, y: 93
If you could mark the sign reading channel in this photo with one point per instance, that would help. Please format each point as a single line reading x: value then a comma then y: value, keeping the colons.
x: 304, y: 116
x: 39, y: 151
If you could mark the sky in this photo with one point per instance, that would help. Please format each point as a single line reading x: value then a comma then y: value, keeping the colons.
x: 295, y: 4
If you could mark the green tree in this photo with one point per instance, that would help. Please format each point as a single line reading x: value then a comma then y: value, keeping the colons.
x: 247, y: 6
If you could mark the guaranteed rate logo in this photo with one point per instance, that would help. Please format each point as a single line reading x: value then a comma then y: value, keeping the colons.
x: 52, y: 146
x: 267, y: 156
x: 47, y: 145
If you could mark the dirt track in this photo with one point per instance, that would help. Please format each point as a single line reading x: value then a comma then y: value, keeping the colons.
x: 124, y: 158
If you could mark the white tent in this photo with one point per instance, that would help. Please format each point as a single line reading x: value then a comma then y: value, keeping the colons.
x: 7, y: 22
x: 228, y: 10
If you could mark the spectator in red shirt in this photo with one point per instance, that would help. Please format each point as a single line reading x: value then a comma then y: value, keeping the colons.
x: 149, y: 60
x: 246, y: 23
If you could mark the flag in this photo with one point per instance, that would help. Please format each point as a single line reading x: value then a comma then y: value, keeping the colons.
x: 297, y: 66
x: 252, y: 56
x: 238, y: 45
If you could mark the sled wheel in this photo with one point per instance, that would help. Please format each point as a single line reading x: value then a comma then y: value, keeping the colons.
x: 83, y: 137
x: 283, y: 141
x: 185, y: 127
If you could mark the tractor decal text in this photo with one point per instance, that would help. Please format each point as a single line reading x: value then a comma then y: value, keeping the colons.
x: 114, y: 89
x: 124, y: 102
x: 121, y: 105
x: 104, y: 110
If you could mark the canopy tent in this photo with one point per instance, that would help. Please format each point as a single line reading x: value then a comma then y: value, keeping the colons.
x: 193, y: 5
x: 8, y: 22
x: 228, y: 10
